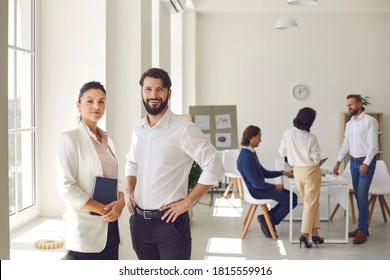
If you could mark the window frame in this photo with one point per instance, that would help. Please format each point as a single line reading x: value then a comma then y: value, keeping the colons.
x: 30, y: 212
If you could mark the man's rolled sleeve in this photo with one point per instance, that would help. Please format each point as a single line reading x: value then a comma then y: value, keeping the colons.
x: 204, y: 153
x: 208, y: 179
x: 131, y: 168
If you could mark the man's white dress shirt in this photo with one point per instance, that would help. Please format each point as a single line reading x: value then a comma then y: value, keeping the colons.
x: 161, y: 158
x: 361, y: 138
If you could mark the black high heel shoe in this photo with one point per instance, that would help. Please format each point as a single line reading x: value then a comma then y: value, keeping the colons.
x: 305, y: 242
x: 317, y: 240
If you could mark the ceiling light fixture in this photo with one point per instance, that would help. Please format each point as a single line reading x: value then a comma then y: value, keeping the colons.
x: 285, y: 23
x: 302, y: 2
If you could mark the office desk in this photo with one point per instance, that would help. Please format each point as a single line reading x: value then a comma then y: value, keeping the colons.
x: 337, y: 188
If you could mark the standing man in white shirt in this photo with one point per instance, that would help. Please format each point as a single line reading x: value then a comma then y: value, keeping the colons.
x: 162, y: 152
x: 361, y: 142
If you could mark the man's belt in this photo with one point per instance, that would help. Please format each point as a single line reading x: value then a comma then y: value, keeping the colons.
x: 358, y: 158
x: 149, y: 214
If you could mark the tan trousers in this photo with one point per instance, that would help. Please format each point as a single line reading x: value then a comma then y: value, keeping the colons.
x: 308, y: 180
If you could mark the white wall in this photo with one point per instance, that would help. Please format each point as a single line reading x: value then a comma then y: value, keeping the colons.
x: 72, y: 52
x: 128, y: 54
x: 4, y: 203
x: 242, y: 60
x: 189, y: 59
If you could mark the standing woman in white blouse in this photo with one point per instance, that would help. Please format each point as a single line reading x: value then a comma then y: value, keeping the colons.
x: 302, y: 150
x: 82, y: 154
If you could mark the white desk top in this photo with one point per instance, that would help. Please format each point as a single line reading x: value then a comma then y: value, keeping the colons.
x: 328, y: 180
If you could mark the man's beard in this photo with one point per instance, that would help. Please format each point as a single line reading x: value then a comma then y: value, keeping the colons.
x: 353, y: 112
x: 155, y: 110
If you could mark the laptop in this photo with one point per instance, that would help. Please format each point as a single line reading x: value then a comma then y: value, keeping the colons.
x: 322, y: 161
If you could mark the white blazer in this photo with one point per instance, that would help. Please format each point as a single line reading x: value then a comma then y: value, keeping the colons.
x: 77, y: 165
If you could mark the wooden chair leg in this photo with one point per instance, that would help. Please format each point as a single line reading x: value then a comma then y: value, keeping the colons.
x: 371, y: 203
x: 334, y: 211
x: 383, y: 204
x: 248, y: 220
x: 233, y: 185
x: 246, y: 217
x: 239, y: 187
x: 233, y: 189
x: 249, y: 212
x: 268, y: 220
x: 351, y: 196
x: 228, y: 188
x: 386, y: 206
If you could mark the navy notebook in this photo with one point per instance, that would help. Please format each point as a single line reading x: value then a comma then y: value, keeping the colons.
x: 105, y: 191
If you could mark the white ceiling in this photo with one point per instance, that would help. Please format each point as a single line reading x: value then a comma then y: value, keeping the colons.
x: 281, y: 6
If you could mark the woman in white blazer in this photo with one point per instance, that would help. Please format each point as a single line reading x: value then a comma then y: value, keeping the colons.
x: 82, y: 154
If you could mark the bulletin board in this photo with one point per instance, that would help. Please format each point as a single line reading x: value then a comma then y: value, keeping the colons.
x: 218, y: 123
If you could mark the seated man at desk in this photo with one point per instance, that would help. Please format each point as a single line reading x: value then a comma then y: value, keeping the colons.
x: 254, y: 175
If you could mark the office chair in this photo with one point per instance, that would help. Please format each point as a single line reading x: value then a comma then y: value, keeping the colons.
x: 380, y: 186
x: 229, y: 160
x: 254, y: 202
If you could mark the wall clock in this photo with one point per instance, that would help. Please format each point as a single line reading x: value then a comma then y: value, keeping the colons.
x: 300, y: 92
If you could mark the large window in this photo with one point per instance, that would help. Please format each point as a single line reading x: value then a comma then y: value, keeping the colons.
x: 21, y: 105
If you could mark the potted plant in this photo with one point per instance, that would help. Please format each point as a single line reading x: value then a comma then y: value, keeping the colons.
x: 366, y: 101
x: 194, y: 175
x: 193, y: 178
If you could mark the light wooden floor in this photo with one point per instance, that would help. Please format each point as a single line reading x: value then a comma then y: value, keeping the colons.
x: 216, y: 234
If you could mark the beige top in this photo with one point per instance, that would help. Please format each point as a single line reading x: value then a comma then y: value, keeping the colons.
x: 108, y: 160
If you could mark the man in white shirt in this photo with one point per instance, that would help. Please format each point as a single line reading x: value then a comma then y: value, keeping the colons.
x: 164, y: 147
x: 361, y: 142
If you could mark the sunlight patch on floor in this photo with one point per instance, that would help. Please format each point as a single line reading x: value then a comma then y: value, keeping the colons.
x: 213, y: 258
x: 224, y: 245
x: 227, y: 212
x: 228, y: 202
x: 227, y: 207
x: 282, y: 250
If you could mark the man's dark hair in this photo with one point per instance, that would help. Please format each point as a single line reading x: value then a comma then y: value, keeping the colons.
x: 357, y: 97
x: 157, y: 73
x: 305, y: 119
